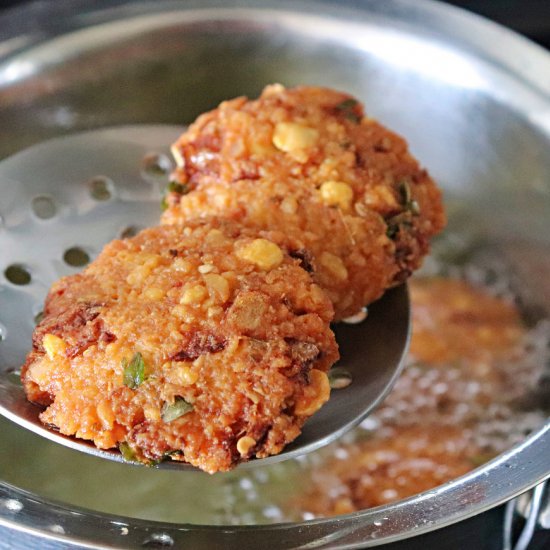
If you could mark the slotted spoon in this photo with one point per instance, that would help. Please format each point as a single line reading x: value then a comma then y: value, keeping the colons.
x: 62, y: 200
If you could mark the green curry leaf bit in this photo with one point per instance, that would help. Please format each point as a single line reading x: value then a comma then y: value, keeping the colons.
x: 173, y: 187
x: 405, y: 192
x: 347, y: 107
x: 406, y: 199
x: 179, y: 188
x: 134, y: 371
x: 176, y: 409
x: 392, y: 230
x: 398, y: 222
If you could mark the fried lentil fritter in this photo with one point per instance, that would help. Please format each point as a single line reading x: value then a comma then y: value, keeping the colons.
x: 400, y: 462
x: 308, y: 162
x: 454, y: 321
x: 204, y: 342
x: 464, y: 369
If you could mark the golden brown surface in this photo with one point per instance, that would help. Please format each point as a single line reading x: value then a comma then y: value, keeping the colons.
x: 436, y: 424
x: 356, y: 205
x: 223, y: 318
x: 400, y: 462
x: 452, y: 321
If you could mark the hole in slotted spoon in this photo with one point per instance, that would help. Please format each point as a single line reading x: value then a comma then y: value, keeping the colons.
x: 129, y: 231
x: 359, y: 317
x: 17, y: 274
x: 43, y: 207
x: 155, y: 164
x: 76, y: 257
x: 339, y: 378
x: 101, y: 188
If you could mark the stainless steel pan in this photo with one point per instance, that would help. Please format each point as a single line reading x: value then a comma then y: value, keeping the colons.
x: 472, y: 98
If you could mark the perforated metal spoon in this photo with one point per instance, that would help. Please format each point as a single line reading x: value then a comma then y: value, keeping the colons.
x: 62, y: 200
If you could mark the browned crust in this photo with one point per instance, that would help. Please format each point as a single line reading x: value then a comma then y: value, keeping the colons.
x: 232, y: 168
x: 243, y: 360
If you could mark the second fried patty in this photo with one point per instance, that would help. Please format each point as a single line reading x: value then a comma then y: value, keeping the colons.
x: 307, y: 161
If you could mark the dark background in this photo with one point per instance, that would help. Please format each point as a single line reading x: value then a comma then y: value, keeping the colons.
x: 529, y: 17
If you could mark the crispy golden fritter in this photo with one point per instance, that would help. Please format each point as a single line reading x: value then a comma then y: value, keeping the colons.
x: 399, y: 463
x: 307, y: 161
x: 204, y: 342
x: 454, y: 321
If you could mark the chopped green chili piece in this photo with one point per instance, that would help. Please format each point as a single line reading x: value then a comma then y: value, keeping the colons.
x: 127, y: 452
x: 392, y: 230
x: 178, y: 408
x: 179, y: 188
x: 397, y: 222
x: 347, y: 104
x: 173, y: 187
x: 134, y: 371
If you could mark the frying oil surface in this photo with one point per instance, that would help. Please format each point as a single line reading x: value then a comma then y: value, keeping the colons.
x: 461, y: 400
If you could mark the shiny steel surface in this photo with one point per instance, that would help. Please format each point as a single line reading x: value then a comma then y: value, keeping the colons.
x: 61, y: 172
x: 472, y: 98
